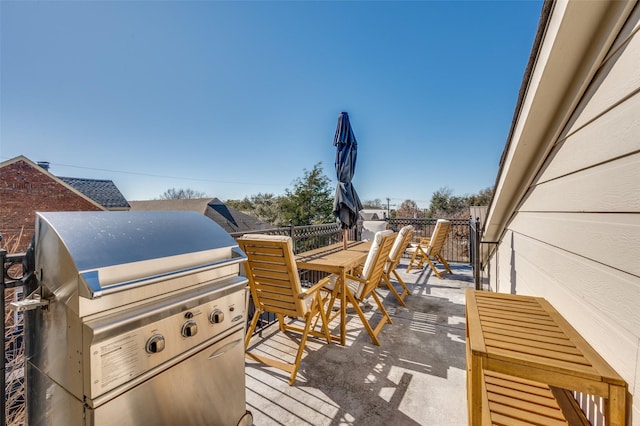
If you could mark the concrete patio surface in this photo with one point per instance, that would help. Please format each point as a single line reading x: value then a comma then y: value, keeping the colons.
x: 415, y: 377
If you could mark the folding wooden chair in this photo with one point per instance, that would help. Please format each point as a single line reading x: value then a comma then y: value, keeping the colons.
x: 275, y: 287
x: 431, y: 248
x: 399, y: 246
x: 362, y: 284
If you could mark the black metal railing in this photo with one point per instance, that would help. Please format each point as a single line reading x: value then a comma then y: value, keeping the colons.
x: 479, y: 250
x: 12, y: 391
x: 306, y: 237
x: 456, y: 248
x: 474, y: 249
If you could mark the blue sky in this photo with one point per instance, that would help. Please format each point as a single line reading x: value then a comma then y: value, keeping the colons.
x: 238, y: 98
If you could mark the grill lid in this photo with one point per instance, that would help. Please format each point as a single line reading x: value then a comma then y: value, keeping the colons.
x: 113, y: 251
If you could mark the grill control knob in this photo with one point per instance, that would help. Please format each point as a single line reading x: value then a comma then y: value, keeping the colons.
x: 155, y: 344
x: 189, y: 328
x: 216, y: 316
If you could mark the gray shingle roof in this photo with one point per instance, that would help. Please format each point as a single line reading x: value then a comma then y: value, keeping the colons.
x: 233, y: 220
x: 102, y: 191
x: 230, y: 219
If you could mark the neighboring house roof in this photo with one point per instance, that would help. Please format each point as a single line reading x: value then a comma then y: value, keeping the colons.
x: 45, y: 171
x: 27, y: 188
x: 230, y: 219
x: 191, y: 204
x: 102, y: 191
x: 373, y: 214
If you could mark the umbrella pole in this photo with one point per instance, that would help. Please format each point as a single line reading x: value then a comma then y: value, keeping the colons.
x: 344, y: 238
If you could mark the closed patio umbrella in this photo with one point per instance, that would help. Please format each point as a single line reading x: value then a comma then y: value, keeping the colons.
x: 346, y: 204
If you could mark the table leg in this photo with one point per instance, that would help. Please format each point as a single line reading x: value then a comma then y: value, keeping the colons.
x: 475, y: 411
x: 343, y: 308
x: 615, y: 406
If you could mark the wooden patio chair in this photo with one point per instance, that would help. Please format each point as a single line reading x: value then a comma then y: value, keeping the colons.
x: 399, y: 246
x: 362, y: 283
x: 275, y: 287
x: 429, y: 248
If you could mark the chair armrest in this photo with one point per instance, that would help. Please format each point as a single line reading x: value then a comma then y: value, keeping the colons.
x: 357, y: 270
x: 317, y: 286
x: 355, y: 278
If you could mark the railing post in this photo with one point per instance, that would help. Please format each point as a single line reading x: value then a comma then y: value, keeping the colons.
x: 471, y: 242
x: 476, y: 257
x: 292, y: 234
x: 3, y: 384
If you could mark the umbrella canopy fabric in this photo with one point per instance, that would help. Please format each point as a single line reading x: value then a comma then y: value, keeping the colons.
x: 346, y: 204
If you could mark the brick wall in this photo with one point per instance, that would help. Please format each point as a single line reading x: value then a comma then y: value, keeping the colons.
x: 24, y: 189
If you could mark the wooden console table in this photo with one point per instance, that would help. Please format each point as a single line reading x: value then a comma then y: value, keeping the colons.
x: 526, y: 337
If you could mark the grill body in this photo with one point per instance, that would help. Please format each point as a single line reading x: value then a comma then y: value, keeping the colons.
x: 142, y: 322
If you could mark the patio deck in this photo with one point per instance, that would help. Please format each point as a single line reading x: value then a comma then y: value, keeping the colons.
x: 416, y: 376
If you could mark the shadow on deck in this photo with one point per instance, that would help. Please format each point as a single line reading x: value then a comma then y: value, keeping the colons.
x: 416, y: 376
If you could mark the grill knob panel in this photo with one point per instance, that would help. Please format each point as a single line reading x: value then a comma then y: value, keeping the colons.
x: 155, y: 344
x: 189, y: 329
x: 216, y: 316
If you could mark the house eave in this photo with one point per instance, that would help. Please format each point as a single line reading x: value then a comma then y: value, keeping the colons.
x: 574, y: 38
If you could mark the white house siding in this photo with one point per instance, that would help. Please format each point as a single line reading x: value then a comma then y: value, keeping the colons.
x: 575, y: 237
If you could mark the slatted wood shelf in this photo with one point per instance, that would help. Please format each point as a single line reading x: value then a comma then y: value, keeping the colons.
x: 526, y: 338
x: 509, y: 400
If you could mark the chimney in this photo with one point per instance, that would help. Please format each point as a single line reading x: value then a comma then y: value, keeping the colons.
x: 44, y: 165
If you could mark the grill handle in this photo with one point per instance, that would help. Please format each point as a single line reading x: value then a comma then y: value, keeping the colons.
x: 95, y: 290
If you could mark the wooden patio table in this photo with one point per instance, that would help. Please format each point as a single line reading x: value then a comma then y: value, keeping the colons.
x: 526, y: 337
x: 335, y: 260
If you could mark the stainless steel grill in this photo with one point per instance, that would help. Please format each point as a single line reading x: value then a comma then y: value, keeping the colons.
x: 139, y: 318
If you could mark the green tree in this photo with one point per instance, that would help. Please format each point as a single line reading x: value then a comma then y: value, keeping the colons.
x: 445, y: 204
x: 482, y: 198
x: 439, y: 204
x: 310, y: 202
x: 245, y: 205
x: 265, y: 207
x: 181, y: 194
